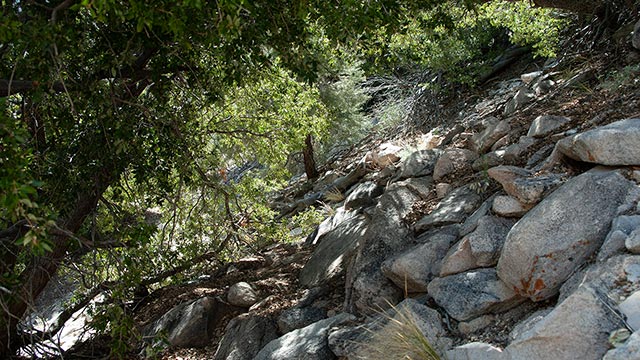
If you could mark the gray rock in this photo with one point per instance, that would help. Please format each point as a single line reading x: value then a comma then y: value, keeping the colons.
x: 483, y: 141
x: 523, y: 97
x: 244, y: 336
x: 329, y: 224
x: 630, y: 307
x: 442, y: 189
x: 481, y: 248
x: 553, y: 239
x: 614, y: 279
x: 299, y: 317
x: 453, y: 161
x: 632, y: 243
x: 330, y: 258
x: 614, y: 244
x: 308, y: 343
x: 508, y: 206
x: 471, y: 294
x: 545, y: 125
x: 191, y: 324
x: 347, y: 342
x: 242, y: 294
x: 631, y: 349
x: 489, y: 160
x: 578, y: 328
x: 615, y: 144
x: 522, y: 185
x: 528, y: 323
x: 419, y: 163
x: 413, y: 269
x: 421, y: 187
x: 454, y: 208
x: 363, y: 195
x: 514, y: 152
x: 471, y: 223
x: 476, y: 351
x: 367, y: 289
x: 635, y: 39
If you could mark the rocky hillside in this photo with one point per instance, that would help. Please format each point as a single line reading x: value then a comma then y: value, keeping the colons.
x: 511, y: 231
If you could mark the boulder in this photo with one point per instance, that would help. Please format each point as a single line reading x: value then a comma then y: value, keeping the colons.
x: 330, y: 258
x: 367, y: 289
x: 615, y: 144
x: 454, y: 208
x: 308, y: 343
x: 481, y: 248
x: 191, y: 324
x: 329, y: 224
x: 299, y: 317
x: 577, y: 328
x: 413, y: 269
x: 363, y: 195
x: 508, y: 206
x: 494, y: 130
x: 242, y: 294
x: 471, y: 294
x: 419, y: 163
x: 545, y: 125
x: 244, y: 336
x: 549, y: 243
x: 522, y: 185
x: 453, y: 161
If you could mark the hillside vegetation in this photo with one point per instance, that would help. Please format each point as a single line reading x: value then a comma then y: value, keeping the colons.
x: 153, y: 148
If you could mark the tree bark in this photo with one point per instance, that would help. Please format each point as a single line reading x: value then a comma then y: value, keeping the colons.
x: 309, y: 161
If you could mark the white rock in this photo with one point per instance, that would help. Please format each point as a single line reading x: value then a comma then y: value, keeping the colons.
x: 242, y: 294
x: 453, y: 161
x: 546, y: 124
x: 631, y: 309
x: 476, y: 351
x: 554, y: 239
x: 508, y: 206
x: 615, y: 144
x: 578, y: 328
x: 529, y: 77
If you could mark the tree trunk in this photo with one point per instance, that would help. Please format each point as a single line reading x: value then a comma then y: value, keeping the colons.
x: 41, y: 269
x: 309, y: 161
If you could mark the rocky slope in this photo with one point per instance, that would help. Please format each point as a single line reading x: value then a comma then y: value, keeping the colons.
x: 512, y: 231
